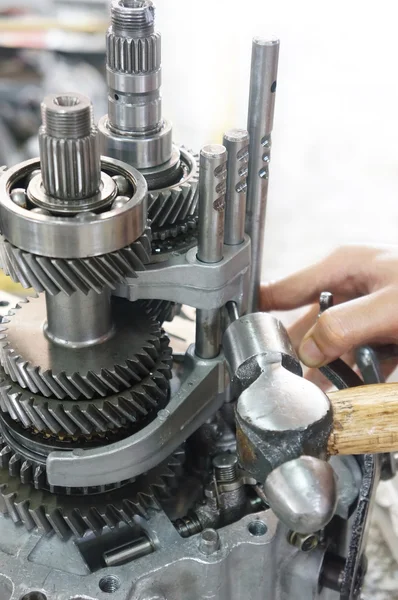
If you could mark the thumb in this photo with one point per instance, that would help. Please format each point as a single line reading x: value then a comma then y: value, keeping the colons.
x: 369, y: 319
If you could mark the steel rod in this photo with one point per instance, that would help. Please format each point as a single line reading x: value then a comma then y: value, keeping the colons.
x: 236, y: 142
x: 264, y: 68
x: 212, y: 191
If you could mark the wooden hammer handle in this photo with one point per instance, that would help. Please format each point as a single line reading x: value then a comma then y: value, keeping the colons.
x: 365, y: 420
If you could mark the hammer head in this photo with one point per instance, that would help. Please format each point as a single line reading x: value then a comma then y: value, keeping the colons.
x: 283, y: 422
x: 280, y: 417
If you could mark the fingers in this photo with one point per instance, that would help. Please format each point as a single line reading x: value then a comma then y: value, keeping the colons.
x: 345, y: 272
x: 369, y: 319
x: 298, y: 330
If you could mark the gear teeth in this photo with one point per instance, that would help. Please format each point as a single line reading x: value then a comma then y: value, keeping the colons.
x: 56, y: 276
x: 173, y: 231
x: 130, y: 407
x: 73, y: 385
x: 73, y: 516
x: 160, y: 310
x: 176, y: 203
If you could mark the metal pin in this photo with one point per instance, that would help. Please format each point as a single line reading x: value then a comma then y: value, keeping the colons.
x: 212, y: 190
x: 264, y: 68
x: 236, y: 142
x: 141, y: 547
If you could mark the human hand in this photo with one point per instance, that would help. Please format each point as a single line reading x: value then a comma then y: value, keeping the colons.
x: 364, y: 281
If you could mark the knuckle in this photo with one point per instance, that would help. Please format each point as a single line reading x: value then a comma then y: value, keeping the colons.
x: 332, y: 334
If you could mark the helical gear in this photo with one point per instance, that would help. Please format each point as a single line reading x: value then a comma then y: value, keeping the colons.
x: 133, y: 407
x: 69, y: 515
x: 160, y: 310
x: 126, y: 358
x: 177, y: 202
x: 56, y: 276
x: 31, y: 468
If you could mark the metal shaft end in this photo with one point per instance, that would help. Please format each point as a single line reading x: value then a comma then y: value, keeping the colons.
x: 67, y: 116
x: 69, y: 151
x: 132, y: 17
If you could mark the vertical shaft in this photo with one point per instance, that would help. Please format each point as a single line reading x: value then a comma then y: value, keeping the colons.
x: 212, y: 190
x: 69, y: 150
x: 236, y: 142
x: 79, y: 320
x: 264, y: 70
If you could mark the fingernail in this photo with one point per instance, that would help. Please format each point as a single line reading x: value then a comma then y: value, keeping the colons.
x: 310, y: 353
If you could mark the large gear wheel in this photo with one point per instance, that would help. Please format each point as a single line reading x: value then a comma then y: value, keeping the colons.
x: 69, y: 515
x: 30, y: 464
x: 132, y: 408
x: 36, y: 363
x: 56, y: 276
x: 177, y: 202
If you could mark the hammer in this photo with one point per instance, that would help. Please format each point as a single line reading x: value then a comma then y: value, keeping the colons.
x: 287, y: 428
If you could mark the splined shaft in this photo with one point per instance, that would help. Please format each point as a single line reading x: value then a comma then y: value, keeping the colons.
x: 69, y: 149
x: 134, y: 130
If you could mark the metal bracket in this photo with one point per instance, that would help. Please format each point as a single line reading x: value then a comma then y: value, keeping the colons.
x: 201, y: 394
x: 186, y: 280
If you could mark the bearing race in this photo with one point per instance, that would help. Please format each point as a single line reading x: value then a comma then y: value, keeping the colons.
x: 87, y: 235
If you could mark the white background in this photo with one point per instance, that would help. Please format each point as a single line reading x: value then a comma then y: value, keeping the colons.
x: 334, y: 172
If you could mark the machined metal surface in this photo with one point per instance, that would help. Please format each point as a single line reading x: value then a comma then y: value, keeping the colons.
x: 88, y: 234
x: 264, y: 69
x: 69, y: 153
x: 32, y: 359
x: 203, y: 388
x: 177, y: 201
x: 236, y: 141
x: 163, y: 477
x: 67, y: 276
x: 134, y: 129
x: 222, y: 575
x: 74, y: 515
x: 212, y: 190
x: 213, y: 173
x: 185, y: 279
x: 303, y: 494
x: 127, y: 410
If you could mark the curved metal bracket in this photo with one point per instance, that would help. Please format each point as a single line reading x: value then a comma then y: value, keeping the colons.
x: 199, y: 397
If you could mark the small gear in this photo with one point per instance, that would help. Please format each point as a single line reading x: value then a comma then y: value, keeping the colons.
x: 30, y: 466
x: 35, y: 362
x: 173, y: 231
x: 160, y: 310
x: 134, y: 407
x: 177, y: 202
x: 69, y: 515
x: 162, y: 249
x: 53, y: 275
